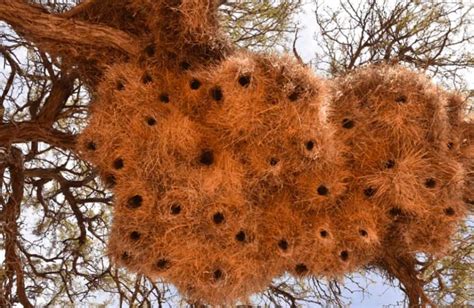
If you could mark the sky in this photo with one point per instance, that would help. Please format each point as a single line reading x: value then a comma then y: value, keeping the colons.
x: 306, y: 45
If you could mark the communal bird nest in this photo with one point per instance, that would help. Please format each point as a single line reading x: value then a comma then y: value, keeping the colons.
x: 231, y: 168
x: 228, y: 176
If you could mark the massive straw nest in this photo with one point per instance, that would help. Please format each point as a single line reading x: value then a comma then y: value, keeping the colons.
x: 232, y: 168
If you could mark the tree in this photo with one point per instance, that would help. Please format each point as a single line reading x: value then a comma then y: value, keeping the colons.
x: 56, y: 216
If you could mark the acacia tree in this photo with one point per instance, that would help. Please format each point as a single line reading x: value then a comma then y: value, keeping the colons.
x: 55, y: 212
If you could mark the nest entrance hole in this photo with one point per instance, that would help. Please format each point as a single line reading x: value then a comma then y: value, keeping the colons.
x: 449, y: 211
x: 120, y: 85
x: 244, y: 80
x: 322, y: 190
x: 390, y: 164
x: 164, y: 98
x: 118, y: 163
x: 217, y: 275
x: 309, y: 145
x: 207, y: 157
x: 344, y: 255
x: 274, y: 161
x: 150, y: 50
x: 430, y: 183
x: 151, y: 121
x: 195, y: 84
x: 363, y: 233
x: 401, y: 99
x: 135, y: 202
x: 283, y: 244
x: 175, y: 209
x: 91, y: 145
x: 369, y: 192
x: 301, y: 269
x: 324, y: 233
x: 147, y: 79
x: 348, y: 123
x: 217, y: 94
x: 218, y: 218
x: 241, y: 236
x: 135, y: 236
x: 163, y: 264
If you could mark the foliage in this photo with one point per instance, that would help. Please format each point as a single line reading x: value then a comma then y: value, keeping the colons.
x: 260, y: 24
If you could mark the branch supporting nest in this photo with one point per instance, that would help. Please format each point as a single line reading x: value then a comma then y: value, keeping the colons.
x: 64, y: 37
x: 403, y: 268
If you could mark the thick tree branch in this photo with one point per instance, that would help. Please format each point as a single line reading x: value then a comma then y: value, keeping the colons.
x: 65, y: 37
x: 10, y: 80
x: 77, y: 212
x: 29, y: 131
x: 60, y: 92
x: 403, y: 268
x: 10, y: 214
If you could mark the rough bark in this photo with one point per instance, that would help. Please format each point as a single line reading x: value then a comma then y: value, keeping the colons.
x: 65, y: 37
x: 10, y: 214
x: 31, y: 131
x: 56, y: 100
x: 403, y: 267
